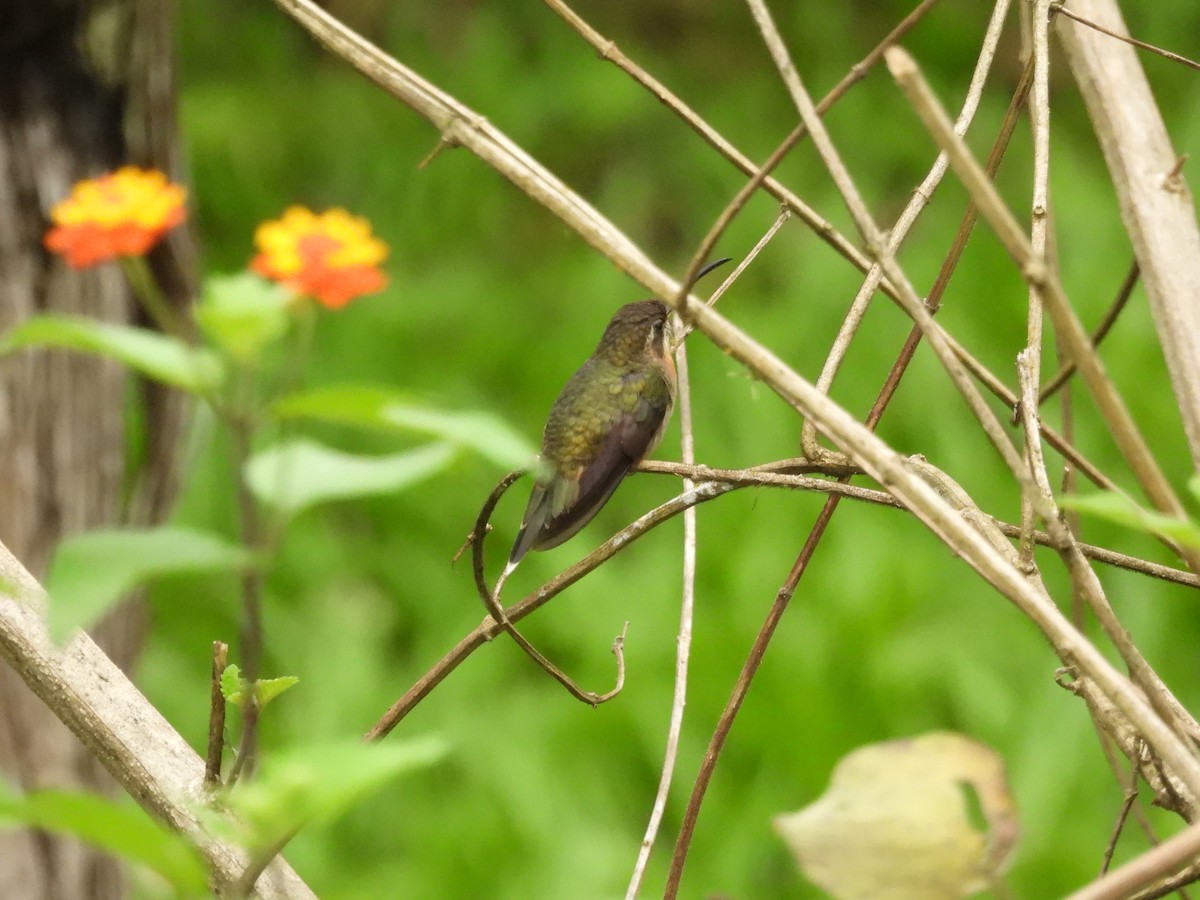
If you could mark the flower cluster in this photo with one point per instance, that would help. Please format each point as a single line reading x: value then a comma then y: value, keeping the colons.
x: 332, y: 256
x: 122, y: 213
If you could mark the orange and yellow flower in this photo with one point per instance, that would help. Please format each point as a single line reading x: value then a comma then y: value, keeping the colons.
x: 332, y: 256
x: 121, y: 213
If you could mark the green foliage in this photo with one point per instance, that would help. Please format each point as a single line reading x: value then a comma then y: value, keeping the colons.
x: 119, y: 828
x: 374, y: 407
x: 243, y: 314
x: 301, y: 473
x: 1120, y: 508
x: 317, y: 782
x: 236, y: 689
x: 92, y: 571
x: 159, y: 356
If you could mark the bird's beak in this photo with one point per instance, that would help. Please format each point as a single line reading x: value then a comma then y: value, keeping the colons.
x: 708, y: 268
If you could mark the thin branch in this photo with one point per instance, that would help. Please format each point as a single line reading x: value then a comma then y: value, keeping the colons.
x: 491, y: 602
x: 767, y: 475
x: 683, y: 643
x: 1110, y: 318
x: 920, y: 199
x: 1131, y: 794
x: 241, y: 430
x: 1172, y: 885
x: 758, y: 248
x: 876, y: 242
x: 216, y: 716
x: 1030, y: 363
x: 1058, y: 7
x: 1146, y: 868
x: 244, y: 886
x: 823, y: 229
x: 1124, y: 430
x: 489, y: 628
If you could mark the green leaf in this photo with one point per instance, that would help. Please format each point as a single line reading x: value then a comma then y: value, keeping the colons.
x: 119, y: 829
x: 91, y: 572
x: 243, y: 314
x: 302, y: 473
x: 235, y: 688
x: 159, y: 356
x: 376, y: 407
x: 1120, y: 509
x: 267, y: 689
x: 319, y: 782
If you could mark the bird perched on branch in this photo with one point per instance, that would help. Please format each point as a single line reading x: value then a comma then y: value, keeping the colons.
x: 608, y: 417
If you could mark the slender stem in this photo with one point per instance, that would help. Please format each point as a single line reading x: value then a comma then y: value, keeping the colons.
x: 1067, y: 369
x: 1142, y: 870
x: 753, y: 660
x: 150, y: 295
x: 1121, y: 425
x: 1039, y: 114
x: 784, y: 215
x: 491, y: 602
x: 822, y: 228
x: 1059, y: 8
x: 489, y: 628
x: 216, y: 716
x: 244, y: 887
x: 241, y: 423
x: 916, y: 205
x: 683, y: 642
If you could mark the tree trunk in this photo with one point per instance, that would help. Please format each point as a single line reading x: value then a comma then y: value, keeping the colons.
x: 84, y: 88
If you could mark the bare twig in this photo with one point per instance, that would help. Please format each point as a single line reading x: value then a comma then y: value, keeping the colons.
x: 216, y: 716
x: 244, y: 886
x: 241, y: 430
x: 823, y: 229
x: 684, y: 330
x: 1146, y: 868
x: 765, y: 476
x: 489, y: 628
x: 1066, y: 370
x: 1131, y: 793
x: 1121, y: 424
x: 1060, y: 7
x: 1030, y: 363
x: 1172, y: 885
x: 749, y: 668
x: 491, y: 602
x: 916, y: 204
x: 683, y: 643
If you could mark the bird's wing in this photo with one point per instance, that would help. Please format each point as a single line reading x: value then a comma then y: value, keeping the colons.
x: 562, y: 506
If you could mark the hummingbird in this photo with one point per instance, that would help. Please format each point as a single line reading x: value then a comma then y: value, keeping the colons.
x: 610, y: 415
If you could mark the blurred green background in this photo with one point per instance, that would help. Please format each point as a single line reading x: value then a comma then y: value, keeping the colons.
x: 492, y: 305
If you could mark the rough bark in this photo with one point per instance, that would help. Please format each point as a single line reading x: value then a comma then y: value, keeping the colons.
x: 83, y: 88
x: 121, y: 729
